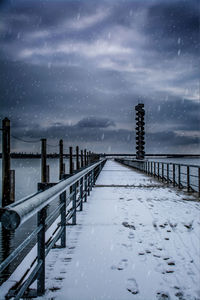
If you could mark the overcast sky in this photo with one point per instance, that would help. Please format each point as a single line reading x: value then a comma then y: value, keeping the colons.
x: 76, y: 69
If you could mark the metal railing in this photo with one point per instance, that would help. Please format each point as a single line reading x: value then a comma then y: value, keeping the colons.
x: 73, y: 191
x: 180, y: 175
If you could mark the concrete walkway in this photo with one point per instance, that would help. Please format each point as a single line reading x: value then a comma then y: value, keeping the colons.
x: 135, y: 239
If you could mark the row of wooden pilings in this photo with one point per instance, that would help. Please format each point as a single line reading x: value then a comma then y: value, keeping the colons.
x: 82, y: 158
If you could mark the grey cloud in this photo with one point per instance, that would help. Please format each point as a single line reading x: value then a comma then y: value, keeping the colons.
x: 92, y: 122
x: 112, y: 55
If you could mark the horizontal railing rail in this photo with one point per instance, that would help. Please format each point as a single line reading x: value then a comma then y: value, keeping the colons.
x: 73, y: 191
x: 179, y: 175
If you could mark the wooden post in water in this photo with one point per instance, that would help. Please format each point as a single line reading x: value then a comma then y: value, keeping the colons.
x: 44, y: 161
x: 71, y: 169
x: 61, y: 165
x: 7, y: 174
x: 85, y: 157
x: 82, y: 163
x: 77, y: 158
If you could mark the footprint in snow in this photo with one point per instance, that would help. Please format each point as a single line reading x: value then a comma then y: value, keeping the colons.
x: 189, y: 226
x: 121, y: 266
x: 162, y: 296
x: 132, y: 286
x: 126, y: 224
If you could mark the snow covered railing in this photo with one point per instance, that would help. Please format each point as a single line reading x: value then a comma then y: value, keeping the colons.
x: 179, y: 175
x: 73, y: 191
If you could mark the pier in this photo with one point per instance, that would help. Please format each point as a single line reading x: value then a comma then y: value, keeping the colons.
x: 134, y: 238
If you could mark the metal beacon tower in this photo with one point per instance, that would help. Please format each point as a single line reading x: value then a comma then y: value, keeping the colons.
x: 140, y: 153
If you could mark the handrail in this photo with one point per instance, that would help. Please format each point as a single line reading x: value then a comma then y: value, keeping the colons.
x: 169, y: 172
x: 16, y: 214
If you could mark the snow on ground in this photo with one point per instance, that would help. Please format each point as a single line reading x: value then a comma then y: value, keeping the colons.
x: 138, y: 242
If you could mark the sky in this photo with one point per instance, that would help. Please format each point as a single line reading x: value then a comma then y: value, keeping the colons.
x: 76, y: 69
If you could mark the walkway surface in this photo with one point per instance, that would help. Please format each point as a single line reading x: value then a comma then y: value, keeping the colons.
x: 135, y: 239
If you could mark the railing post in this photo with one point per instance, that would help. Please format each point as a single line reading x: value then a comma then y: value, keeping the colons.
x: 63, y: 219
x: 41, y: 216
x: 88, y: 183
x: 71, y: 169
x: 179, y: 176
x: 82, y: 162
x: 85, y: 157
x: 44, y: 161
x: 74, y: 204
x: 158, y: 170
x: 81, y: 194
x: 168, y: 173
x: 61, y: 164
x: 6, y: 162
x: 77, y: 158
x: 162, y: 172
x: 85, y: 188
x: 93, y: 181
x: 173, y: 170
x: 151, y: 168
x: 188, y: 178
x: 154, y: 169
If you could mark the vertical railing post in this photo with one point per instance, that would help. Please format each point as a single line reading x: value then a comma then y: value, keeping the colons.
x: 62, y: 196
x: 151, y: 168
x: 41, y: 216
x: 85, y: 188
x: 93, y: 181
x: 44, y: 161
x: 61, y: 164
x: 74, y: 204
x: 88, y: 183
x: 71, y: 169
x: 77, y: 158
x: 168, y: 173
x: 174, y: 174
x: 89, y: 157
x: 82, y: 162
x: 179, y: 176
x: 63, y: 219
x: 154, y: 169
x: 162, y: 172
x: 85, y: 157
x: 158, y: 170
x: 81, y: 194
x: 6, y: 162
x: 188, y: 178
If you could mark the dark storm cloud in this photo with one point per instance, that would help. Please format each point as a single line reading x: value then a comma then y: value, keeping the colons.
x: 92, y: 122
x: 75, y: 69
x: 174, y: 24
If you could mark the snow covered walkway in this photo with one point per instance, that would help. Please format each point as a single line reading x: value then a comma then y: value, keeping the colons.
x: 135, y: 239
